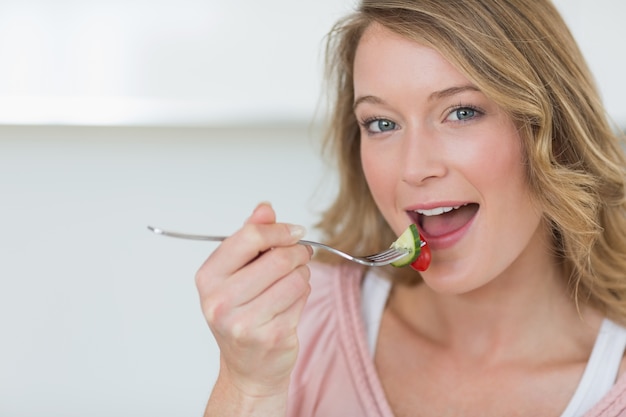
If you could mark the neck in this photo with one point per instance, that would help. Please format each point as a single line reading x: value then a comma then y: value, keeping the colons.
x: 501, y: 320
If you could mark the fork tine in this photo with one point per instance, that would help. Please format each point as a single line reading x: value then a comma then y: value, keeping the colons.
x: 389, y: 254
x: 391, y: 257
x: 382, y: 255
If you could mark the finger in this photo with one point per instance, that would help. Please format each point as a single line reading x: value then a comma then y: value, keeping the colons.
x: 282, y: 327
x: 262, y: 214
x: 248, y: 243
x: 282, y: 295
x: 250, y: 324
x: 220, y: 295
x: 288, y: 319
x: 273, y: 266
x: 279, y: 337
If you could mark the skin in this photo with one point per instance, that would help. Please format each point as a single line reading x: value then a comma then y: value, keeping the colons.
x: 491, y: 331
x: 252, y: 290
x: 431, y: 158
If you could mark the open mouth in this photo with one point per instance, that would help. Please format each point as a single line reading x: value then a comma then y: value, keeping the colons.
x: 442, y: 221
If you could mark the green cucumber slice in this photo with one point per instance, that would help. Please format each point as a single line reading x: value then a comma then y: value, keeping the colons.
x: 409, y: 240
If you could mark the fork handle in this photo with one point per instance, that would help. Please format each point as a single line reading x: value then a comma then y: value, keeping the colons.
x: 186, y: 235
x: 189, y: 236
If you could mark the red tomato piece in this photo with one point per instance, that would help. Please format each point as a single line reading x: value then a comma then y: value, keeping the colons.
x: 423, y: 260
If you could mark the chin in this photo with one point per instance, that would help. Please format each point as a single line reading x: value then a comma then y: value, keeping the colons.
x: 448, y: 282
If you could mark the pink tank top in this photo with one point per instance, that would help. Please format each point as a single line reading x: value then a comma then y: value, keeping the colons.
x: 335, y: 375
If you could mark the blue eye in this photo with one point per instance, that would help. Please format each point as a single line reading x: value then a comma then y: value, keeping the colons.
x: 379, y: 125
x: 462, y: 113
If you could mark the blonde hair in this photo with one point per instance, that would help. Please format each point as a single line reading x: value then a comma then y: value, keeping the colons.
x: 520, y: 54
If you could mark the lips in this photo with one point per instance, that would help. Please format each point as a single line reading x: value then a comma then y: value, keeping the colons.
x: 442, y: 221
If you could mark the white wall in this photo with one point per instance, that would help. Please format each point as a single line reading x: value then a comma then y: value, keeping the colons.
x: 161, y: 61
x: 98, y: 316
x: 598, y: 26
x: 204, y: 62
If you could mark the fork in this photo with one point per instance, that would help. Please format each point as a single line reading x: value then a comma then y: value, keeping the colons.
x: 376, y: 259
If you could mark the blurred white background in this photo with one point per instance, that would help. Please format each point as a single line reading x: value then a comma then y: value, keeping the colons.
x: 183, y: 114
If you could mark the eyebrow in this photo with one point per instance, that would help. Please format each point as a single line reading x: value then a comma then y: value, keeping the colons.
x: 436, y: 95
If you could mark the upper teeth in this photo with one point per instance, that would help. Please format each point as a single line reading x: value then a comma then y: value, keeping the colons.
x: 436, y: 211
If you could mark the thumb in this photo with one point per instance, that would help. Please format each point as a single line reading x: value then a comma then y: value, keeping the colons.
x: 262, y: 214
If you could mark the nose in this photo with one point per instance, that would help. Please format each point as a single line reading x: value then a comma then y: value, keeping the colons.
x: 422, y: 157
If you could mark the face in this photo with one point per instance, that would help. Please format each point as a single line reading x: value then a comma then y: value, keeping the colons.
x: 437, y: 152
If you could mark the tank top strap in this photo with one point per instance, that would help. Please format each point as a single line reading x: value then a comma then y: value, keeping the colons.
x: 374, y: 294
x: 601, y: 371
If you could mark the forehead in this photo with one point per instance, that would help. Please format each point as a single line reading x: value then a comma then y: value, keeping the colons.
x: 385, y: 59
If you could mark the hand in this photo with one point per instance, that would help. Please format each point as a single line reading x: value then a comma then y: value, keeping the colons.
x: 252, y: 289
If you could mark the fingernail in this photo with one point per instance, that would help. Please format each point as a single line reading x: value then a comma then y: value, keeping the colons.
x: 297, y: 231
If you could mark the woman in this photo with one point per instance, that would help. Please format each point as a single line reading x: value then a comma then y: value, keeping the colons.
x: 478, y: 121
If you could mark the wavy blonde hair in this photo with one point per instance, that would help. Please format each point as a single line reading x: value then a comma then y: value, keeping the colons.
x: 520, y: 54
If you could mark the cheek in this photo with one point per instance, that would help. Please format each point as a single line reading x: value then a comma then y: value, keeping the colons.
x: 378, y: 174
x: 508, y: 197
x: 368, y: 162
x: 497, y: 163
